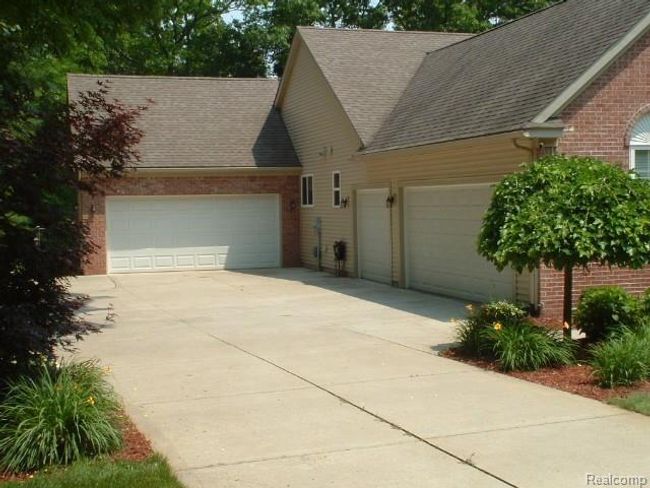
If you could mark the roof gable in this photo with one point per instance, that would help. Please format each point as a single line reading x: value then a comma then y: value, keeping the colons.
x: 202, y: 122
x: 503, y: 79
x: 369, y: 69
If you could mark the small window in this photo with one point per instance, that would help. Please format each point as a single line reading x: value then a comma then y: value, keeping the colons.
x: 336, y: 189
x: 640, y: 148
x: 307, y: 191
x: 641, y: 162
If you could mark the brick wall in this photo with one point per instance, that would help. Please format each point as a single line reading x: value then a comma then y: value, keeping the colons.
x: 93, y: 210
x: 599, y: 122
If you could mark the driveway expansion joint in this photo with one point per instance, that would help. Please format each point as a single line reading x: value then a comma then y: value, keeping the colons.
x: 216, y: 397
x: 297, y: 456
x: 526, y: 426
x: 389, y: 341
x: 466, y: 462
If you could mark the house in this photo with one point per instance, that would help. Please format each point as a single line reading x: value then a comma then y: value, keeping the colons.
x: 217, y: 186
x: 388, y: 141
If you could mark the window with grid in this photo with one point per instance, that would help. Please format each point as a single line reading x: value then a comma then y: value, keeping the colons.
x: 640, y: 147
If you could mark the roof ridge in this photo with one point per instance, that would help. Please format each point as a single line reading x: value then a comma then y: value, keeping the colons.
x: 174, y: 77
x: 500, y: 26
x: 354, y: 29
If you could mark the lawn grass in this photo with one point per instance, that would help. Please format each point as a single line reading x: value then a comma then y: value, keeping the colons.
x: 637, y: 402
x: 104, y: 473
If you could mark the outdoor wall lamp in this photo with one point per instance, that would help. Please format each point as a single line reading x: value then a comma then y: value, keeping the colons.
x: 390, y: 200
x: 345, y: 202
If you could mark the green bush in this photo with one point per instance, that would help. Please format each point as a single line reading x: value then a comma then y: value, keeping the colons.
x: 623, y: 359
x: 527, y: 347
x: 471, y: 333
x: 644, y: 303
x: 60, y: 415
x: 605, y: 309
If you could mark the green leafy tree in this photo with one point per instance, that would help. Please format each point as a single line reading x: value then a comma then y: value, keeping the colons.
x: 566, y: 212
x: 189, y: 38
x: 456, y: 15
x: 274, y: 22
x: 41, y: 242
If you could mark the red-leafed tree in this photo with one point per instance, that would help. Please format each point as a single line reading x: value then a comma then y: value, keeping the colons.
x: 42, y: 242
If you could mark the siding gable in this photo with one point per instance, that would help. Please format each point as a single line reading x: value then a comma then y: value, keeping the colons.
x: 324, y: 140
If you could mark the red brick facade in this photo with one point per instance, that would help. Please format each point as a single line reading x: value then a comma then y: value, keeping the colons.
x: 287, y: 186
x: 599, y: 123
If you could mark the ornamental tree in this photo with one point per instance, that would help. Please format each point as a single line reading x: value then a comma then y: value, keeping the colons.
x: 566, y: 212
x: 42, y: 153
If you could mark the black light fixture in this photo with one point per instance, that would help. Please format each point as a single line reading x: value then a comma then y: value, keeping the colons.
x: 390, y: 200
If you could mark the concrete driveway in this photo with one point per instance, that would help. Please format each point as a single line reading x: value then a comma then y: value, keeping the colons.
x: 290, y: 378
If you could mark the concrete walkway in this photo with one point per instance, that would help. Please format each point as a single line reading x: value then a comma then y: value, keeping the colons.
x: 290, y: 378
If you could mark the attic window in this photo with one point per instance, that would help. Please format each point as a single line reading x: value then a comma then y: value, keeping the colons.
x: 640, y: 148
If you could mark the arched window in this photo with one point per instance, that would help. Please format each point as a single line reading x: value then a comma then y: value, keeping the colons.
x: 640, y: 147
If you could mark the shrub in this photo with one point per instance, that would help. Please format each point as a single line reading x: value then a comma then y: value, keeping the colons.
x: 58, y: 416
x: 644, y: 303
x: 525, y: 346
x: 471, y: 332
x: 605, y: 309
x: 623, y: 359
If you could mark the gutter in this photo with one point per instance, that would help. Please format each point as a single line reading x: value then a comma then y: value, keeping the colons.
x: 177, y: 171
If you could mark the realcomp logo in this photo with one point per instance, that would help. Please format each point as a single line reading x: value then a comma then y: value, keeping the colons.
x: 616, y: 480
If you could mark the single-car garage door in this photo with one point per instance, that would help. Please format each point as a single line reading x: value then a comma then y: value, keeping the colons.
x: 184, y: 233
x: 441, y: 227
x: 373, y: 231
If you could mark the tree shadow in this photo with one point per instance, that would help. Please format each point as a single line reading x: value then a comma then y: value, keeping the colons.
x: 440, y: 308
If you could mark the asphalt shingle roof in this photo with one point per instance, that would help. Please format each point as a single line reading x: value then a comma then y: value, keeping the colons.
x: 202, y: 122
x: 500, y: 80
x: 369, y: 69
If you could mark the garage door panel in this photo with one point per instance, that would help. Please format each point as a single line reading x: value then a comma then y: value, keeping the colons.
x: 441, y: 231
x: 168, y: 233
x: 373, y: 231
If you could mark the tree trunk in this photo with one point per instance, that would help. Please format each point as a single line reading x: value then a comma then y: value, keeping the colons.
x: 568, y: 300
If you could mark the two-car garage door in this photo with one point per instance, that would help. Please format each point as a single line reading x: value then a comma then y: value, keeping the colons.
x: 185, y: 233
x: 441, y: 227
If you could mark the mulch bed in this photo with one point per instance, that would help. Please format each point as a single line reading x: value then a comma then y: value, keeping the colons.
x: 577, y: 379
x: 136, y: 447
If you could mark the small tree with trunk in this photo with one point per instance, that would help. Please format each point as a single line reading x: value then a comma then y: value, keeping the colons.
x: 566, y: 212
x: 42, y: 155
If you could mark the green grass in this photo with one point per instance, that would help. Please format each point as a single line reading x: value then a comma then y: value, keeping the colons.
x: 104, y: 473
x: 637, y: 402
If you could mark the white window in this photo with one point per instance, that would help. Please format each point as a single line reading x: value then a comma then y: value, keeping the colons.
x: 307, y: 191
x: 640, y: 147
x: 336, y: 189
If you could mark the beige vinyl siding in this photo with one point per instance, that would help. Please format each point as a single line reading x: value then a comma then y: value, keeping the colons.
x: 324, y: 140
x: 481, y: 160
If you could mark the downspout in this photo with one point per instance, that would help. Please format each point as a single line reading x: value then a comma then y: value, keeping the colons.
x: 535, y: 304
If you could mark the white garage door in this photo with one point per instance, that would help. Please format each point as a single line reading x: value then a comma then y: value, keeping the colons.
x: 373, y: 232
x: 441, y: 231
x: 184, y: 233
